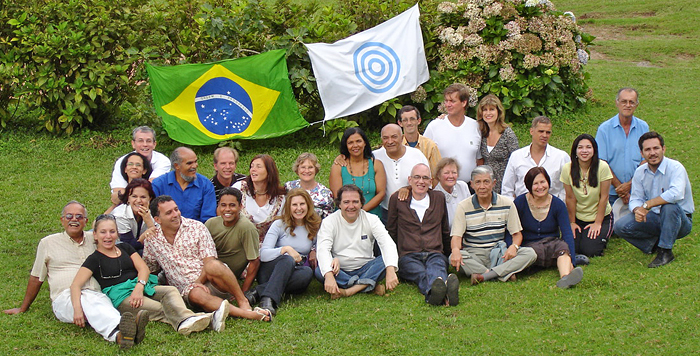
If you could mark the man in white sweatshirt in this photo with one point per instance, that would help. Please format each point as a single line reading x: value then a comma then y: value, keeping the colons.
x: 346, y: 263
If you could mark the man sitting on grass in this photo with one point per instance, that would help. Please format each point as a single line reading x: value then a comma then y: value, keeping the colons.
x: 58, y: 259
x: 346, y: 263
x: 236, y: 238
x: 185, y: 251
x: 478, y: 233
x: 421, y: 229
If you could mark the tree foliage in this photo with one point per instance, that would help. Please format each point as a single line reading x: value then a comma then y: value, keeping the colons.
x: 68, y: 64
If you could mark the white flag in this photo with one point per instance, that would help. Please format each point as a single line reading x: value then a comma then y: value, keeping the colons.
x: 366, y: 69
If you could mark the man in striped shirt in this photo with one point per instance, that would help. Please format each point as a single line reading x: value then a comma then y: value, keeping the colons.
x: 478, y: 233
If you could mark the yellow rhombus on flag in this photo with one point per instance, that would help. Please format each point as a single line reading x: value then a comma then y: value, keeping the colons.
x: 245, y: 98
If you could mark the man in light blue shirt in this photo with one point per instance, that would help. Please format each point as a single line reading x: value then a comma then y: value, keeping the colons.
x: 661, y: 202
x: 192, y: 192
x: 617, y: 140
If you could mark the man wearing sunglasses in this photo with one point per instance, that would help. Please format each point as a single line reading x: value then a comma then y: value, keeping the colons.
x: 58, y: 258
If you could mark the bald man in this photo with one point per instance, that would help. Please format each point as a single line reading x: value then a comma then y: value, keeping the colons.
x: 192, y: 192
x: 398, y: 162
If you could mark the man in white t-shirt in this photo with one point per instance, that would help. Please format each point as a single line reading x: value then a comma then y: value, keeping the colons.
x: 538, y: 154
x: 398, y: 162
x: 458, y: 135
x: 143, y: 140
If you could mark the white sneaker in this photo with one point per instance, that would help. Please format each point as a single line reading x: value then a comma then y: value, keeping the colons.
x: 218, y: 318
x: 195, y: 324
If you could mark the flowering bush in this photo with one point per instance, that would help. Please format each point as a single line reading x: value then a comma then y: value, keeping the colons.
x: 525, y: 52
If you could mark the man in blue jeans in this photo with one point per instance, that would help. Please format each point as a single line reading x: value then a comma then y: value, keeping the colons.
x: 661, y: 203
x: 344, y: 249
x: 421, y: 229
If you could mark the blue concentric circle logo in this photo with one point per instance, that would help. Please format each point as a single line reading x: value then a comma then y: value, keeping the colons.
x: 223, y: 106
x: 377, y: 66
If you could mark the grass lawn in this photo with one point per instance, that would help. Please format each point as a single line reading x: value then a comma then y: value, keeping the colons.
x: 621, y: 307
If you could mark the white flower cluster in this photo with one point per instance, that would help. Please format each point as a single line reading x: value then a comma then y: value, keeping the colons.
x: 531, y: 3
x: 451, y: 37
x: 513, y: 29
x: 493, y: 9
x: 447, y: 7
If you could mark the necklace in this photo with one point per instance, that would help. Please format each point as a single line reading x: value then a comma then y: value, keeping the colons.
x: 584, y: 181
x: 364, y: 176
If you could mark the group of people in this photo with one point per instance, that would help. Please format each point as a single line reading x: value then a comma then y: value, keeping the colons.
x: 183, y: 249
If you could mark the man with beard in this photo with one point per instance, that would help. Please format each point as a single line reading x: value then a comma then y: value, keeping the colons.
x: 661, y: 203
x: 193, y: 192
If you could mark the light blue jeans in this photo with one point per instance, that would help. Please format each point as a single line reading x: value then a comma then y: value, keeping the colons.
x: 369, y: 274
x: 668, y: 226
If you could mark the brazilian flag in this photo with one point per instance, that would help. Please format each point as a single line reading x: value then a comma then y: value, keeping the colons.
x: 245, y: 98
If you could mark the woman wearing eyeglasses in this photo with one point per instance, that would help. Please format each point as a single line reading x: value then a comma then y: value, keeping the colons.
x: 134, y: 165
x: 587, y: 182
x: 126, y: 280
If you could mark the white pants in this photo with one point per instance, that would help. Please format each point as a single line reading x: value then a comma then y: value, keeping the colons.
x: 98, y: 310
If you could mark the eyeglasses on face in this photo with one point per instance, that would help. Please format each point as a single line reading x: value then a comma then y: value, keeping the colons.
x: 417, y: 177
x: 76, y: 216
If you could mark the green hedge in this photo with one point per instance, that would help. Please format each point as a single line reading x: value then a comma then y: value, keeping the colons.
x: 71, y: 64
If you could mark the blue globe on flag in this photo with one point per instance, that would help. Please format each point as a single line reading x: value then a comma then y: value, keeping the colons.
x: 223, y: 107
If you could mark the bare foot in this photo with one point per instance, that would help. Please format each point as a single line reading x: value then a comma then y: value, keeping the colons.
x: 379, y: 289
x: 341, y: 293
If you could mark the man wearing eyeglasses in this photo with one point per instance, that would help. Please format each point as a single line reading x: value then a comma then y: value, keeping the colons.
x: 617, y: 143
x: 479, y: 247
x: 143, y: 140
x: 420, y: 227
x: 58, y: 259
x: 398, y: 162
x: 409, y: 120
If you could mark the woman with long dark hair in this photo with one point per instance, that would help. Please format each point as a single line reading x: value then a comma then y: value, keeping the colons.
x: 360, y: 169
x: 263, y: 196
x: 132, y: 215
x: 587, y: 182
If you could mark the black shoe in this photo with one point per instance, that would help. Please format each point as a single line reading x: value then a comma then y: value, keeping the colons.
x: 664, y: 257
x: 267, y: 303
x: 436, y: 296
x: 452, y: 290
x: 252, y: 296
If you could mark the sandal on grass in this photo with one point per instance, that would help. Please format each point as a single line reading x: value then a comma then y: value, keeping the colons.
x: 264, y: 313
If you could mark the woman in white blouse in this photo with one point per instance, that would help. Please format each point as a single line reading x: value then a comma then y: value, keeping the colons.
x: 263, y: 196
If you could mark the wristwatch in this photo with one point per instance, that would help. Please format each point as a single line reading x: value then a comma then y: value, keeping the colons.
x: 645, y: 206
x: 142, y: 282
